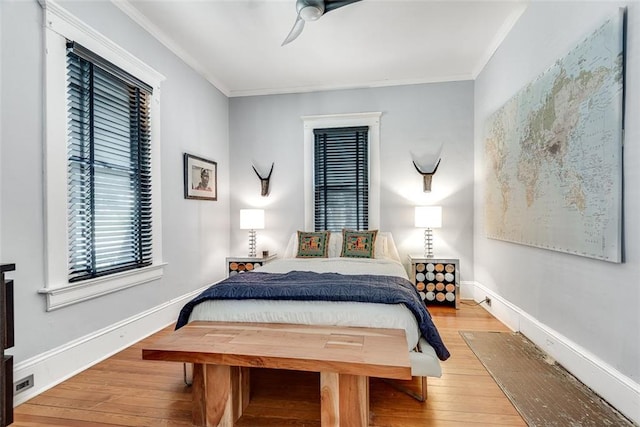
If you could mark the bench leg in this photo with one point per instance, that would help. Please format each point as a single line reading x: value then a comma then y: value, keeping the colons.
x: 240, y: 386
x: 344, y: 400
x: 212, y: 396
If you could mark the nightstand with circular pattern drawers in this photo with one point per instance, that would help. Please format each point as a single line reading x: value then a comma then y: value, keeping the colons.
x: 237, y: 265
x: 437, y: 280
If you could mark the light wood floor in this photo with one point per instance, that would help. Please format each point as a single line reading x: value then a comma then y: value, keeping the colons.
x: 124, y: 390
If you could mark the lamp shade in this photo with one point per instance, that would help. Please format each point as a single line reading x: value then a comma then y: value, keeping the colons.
x: 428, y: 216
x: 251, y: 219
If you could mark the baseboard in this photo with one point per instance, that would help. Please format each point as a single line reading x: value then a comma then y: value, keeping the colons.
x: 617, y: 389
x: 466, y: 289
x: 56, y: 365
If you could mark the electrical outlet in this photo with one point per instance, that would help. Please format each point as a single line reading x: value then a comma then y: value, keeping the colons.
x: 23, y: 384
x: 488, y: 301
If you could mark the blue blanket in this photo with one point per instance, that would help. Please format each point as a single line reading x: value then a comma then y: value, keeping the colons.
x: 306, y: 285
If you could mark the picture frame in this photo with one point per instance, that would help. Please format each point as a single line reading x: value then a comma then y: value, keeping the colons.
x: 200, y: 178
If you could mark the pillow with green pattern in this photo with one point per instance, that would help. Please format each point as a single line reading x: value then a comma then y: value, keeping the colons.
x: 358, y: 244
x: 313, y: 244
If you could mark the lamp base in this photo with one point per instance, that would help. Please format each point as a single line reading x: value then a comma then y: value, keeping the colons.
x: 428, y: 243
x: 252, y: 243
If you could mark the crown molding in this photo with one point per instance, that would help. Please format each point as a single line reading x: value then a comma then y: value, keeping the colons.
x: 347, y: 86
x: 499, y: 38
x: 167, y: 41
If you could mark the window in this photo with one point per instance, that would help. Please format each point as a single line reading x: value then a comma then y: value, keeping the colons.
x: 370, y: 171
x: 103, y: 228
x: 341, y: 178
x: 109, y: 179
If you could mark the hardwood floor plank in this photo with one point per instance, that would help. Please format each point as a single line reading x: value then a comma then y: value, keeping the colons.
x: 181, y: 392
x: 125, y: 390
x: 28, y: 420
x: 120, y: 418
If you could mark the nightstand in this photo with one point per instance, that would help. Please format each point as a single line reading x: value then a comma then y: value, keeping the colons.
x: 237, y: 265
x: 437, y: 280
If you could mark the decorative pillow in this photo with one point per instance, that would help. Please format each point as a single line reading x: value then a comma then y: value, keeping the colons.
x: 358, y: 244
x: 313, y: 244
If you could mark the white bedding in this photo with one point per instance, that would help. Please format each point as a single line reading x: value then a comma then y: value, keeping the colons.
x: 396, y: 316
x: 383, y: 267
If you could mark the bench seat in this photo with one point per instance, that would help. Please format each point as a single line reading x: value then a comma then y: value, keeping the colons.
x: 345, y: 357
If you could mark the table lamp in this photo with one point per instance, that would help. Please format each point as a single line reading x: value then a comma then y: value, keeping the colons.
x: 252, y: 220
x: 428, y: 217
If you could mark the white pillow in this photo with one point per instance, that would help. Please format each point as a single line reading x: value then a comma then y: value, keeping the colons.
x: 391, y: 251
x: 292, y: 247
x: 384, y: 248
x: 380, y: 248
x: 335, y: 244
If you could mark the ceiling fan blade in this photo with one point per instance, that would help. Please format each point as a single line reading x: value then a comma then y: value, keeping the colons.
x: 330, y: 5
x: 298, y: 26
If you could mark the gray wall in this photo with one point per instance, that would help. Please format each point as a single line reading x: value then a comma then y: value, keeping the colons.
x: 195, y: 233
x: 266, y: 129
x: 594, y: 304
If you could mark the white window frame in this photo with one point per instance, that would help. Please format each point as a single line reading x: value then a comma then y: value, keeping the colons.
x: 372, y: 120
x: 60, y: 25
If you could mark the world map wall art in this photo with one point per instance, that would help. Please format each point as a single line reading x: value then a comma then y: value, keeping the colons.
x: 553, y: 153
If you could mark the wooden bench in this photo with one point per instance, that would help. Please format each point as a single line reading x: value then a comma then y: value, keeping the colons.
x: 223, y: 352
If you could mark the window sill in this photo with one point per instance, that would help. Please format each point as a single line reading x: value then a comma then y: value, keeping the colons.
x: 62, y: 296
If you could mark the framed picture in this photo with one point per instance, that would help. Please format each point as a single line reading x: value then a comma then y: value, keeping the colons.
x: 200, y: 178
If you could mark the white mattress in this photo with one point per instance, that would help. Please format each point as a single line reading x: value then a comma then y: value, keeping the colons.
x: 395, y: 316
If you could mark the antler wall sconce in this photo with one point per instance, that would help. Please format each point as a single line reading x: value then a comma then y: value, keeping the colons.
x: 264, y: 181
x: 427, y: 166
x: 426, y: 176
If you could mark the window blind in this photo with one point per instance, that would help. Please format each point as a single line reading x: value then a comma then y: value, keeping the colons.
x: 109, y: 169
x: 341, y: 173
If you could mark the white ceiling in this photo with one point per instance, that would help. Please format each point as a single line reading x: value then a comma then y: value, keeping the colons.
x: 235, y: 44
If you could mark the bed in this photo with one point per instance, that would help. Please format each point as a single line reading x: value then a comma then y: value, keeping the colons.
x: 329, y: 289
